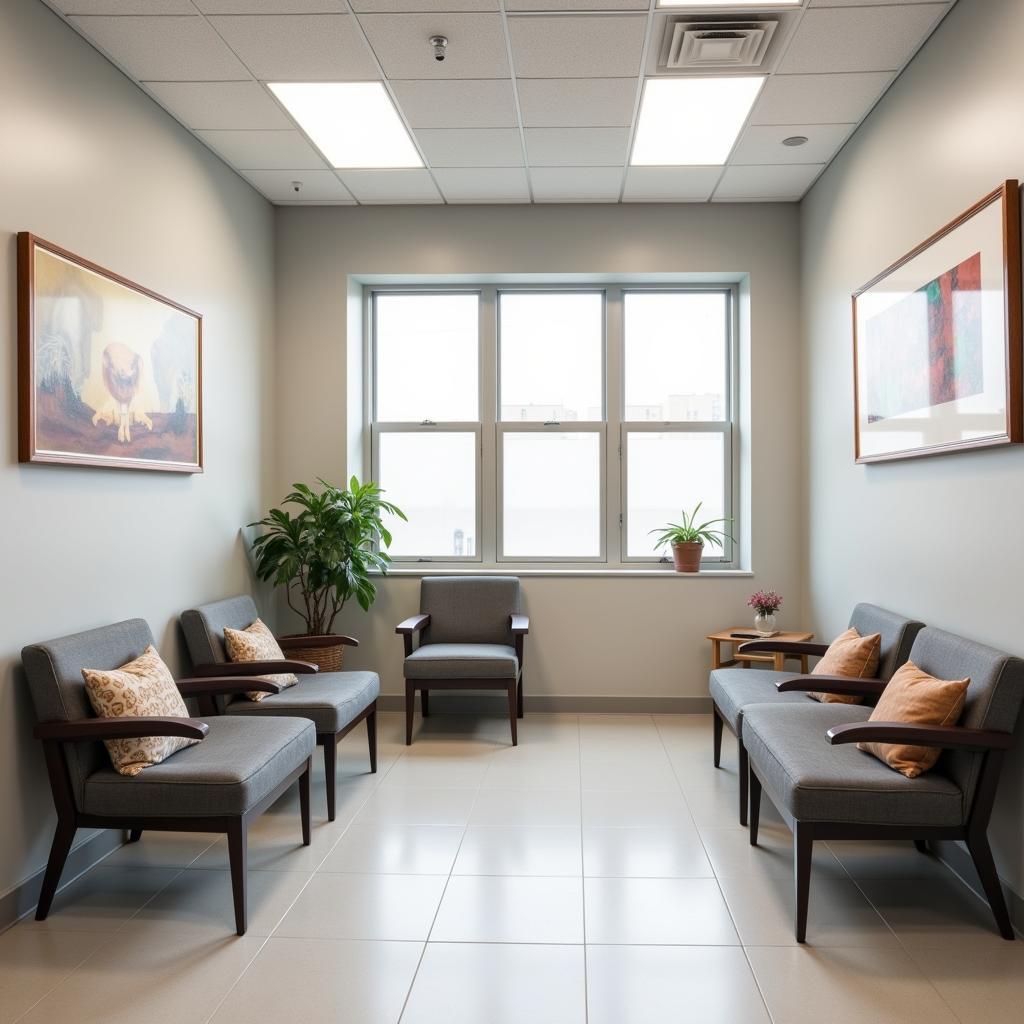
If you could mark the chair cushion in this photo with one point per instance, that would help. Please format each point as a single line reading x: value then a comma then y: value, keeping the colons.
x: 732, y: 689
x: 811, y: 780
x: 232, y: 770
x: 330, y: 700
x: 462, y: 661
x: 850, y: 654
x: 257, y: 643
x: 144, y: 688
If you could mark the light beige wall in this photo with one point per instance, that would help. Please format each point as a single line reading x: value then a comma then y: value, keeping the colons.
x: 591, y: 636
x: 91, y: 163
x: 938, y: 538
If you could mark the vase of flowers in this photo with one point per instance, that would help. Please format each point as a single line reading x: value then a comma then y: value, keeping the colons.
x: 765, y: 604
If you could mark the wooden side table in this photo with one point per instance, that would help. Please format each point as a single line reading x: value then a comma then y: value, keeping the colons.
x: 777, y: 661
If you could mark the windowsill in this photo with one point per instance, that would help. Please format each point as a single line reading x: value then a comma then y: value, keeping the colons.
x: 511, y: 570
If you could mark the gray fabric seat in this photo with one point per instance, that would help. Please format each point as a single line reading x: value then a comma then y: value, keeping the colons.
x: 733, y: 689
x: 815, y: 781
x: 329, y: 699
x: 462, y: 661
x: 228, y: 773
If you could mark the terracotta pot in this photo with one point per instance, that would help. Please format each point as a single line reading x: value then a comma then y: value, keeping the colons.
x: 325, y: 651
x: 687, y: 556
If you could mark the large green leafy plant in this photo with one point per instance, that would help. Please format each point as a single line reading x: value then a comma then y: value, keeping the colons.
x: 324, y: 552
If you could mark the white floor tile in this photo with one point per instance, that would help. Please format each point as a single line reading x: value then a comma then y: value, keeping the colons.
x: 520, y: 851
x: 556, y: 808
x: 607, y: 808
x: 396, y: 849
x: 662, y: 852
x: 418, y: 806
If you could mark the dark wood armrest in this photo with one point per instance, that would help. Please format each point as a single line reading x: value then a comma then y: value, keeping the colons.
x: 211, y: 686
x: 833, y: 684
x: 332, y: 640
x: 947, y: 736
x: 520, y: 624
x: 227, y: 669
x: 413, y: 624
x: 781, y: 647
x: 120, y: 728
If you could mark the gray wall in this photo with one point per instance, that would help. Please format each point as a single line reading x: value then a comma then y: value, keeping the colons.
x: 91, y: 163
x: 606, y: 636
x: 938, y: 538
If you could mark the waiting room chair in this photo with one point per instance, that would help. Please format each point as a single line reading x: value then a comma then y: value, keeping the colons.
x: 471, y: 635
x: 335, y: 702
x: 239, y: 769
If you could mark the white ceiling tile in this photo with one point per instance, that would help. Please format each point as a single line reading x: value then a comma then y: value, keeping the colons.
x: 579, y: 102
x: 471, y: 147
x: 260, y: 150
x: 392, y: 186
x: 859, y: 38
x: 300, y: 47
x: 819, y: 99
x: 864, y: 3
x: 421, y: 6
x: 70, y: 7
x: 455, y: 104
x: 576, y: 5
x: 272, y: 6
x: 483, y: 184
x: 576, y: 147
x: 164, y: 47
x: 577, y: 46
x: 670, y: 184
x: 780, y: 182
x: 476, y: 45
x: 314, y: 186
x: 576, y: 184
x: 220, y: 104
x: 763, y: 144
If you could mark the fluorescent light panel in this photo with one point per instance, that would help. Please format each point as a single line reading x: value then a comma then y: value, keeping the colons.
x: 354, y: 124
x: 760, y: 4
x: 688, y: 121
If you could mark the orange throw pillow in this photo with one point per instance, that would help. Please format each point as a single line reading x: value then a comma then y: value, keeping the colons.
x: 914, y: 696
x: 852, y: 655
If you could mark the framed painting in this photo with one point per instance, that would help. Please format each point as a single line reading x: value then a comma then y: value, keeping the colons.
x: 937, y: 340
x: 109, y: 372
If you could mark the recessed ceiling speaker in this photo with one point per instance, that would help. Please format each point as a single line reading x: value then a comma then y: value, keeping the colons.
x: 795, y: 140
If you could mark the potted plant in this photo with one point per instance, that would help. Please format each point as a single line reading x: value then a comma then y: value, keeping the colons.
x: 323, y: 555
x: 688, y: 539
x: 765, y: 604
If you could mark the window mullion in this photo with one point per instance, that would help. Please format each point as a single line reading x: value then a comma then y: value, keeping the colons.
x: 613, y: 480
x: 487, y: 491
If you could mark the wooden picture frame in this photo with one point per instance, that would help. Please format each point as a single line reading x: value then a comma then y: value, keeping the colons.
x: 937, y: 344
x: 109, y: 372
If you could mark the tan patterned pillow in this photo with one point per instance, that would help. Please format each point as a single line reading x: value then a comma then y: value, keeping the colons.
x: 143, y: 688
x: 257, y: 643
x: 852, y: 655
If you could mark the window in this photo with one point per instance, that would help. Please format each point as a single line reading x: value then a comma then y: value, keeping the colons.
x: 553, y: 426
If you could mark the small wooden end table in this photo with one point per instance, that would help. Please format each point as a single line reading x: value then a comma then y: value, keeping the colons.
x: 777, y: 661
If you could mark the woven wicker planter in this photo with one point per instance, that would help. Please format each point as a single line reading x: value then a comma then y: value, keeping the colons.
x: 325, y: 651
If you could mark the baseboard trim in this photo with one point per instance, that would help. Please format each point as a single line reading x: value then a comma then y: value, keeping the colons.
x: 958, y: 860
x: 24, y: 897
x: 466, y: 704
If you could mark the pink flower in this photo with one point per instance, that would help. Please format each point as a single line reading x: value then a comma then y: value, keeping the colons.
x: 765, y: 602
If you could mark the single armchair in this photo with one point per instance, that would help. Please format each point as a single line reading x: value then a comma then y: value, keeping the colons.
x: 471, y: 634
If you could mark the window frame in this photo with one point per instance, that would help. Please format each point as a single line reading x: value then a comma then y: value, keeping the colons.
x: 612, y: 430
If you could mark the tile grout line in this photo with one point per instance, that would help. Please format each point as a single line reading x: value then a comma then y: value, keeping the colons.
x: 583, y: 873
x: 700, y: 838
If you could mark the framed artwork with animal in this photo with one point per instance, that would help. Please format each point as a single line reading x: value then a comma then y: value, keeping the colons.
x: 109, y: 372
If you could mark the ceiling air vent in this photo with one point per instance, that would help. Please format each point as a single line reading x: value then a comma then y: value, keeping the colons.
x: 717, y: 44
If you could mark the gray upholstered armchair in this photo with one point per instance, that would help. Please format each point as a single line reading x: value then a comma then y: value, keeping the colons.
x: 471, y: 635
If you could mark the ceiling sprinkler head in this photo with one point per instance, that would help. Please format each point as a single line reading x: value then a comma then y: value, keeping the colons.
x: 296, y: 186
x: 439, y: 44
x: 795, y: 140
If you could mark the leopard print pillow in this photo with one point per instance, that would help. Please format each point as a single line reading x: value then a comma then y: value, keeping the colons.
x: 257, y: 643
x: 143, y: 688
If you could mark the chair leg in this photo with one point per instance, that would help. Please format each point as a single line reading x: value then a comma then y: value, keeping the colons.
x: 512, y: 712
x: 803, y: 846
x: 921, y: 845
x: 744, y: 778
x: 238, y: 854
x: 304, y: 801
x: 410, y: 697
x: 716, y: 734
x: 371, y: 736
x: 134, y: 835
x: 425, y: 702
x: 519, y: 696
x: 755, y: 807
x: 981, y: 854
x: 62, y: 839
x: 330, y: 771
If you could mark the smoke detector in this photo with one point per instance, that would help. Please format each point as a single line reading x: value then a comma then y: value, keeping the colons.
x: 723, y: 44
